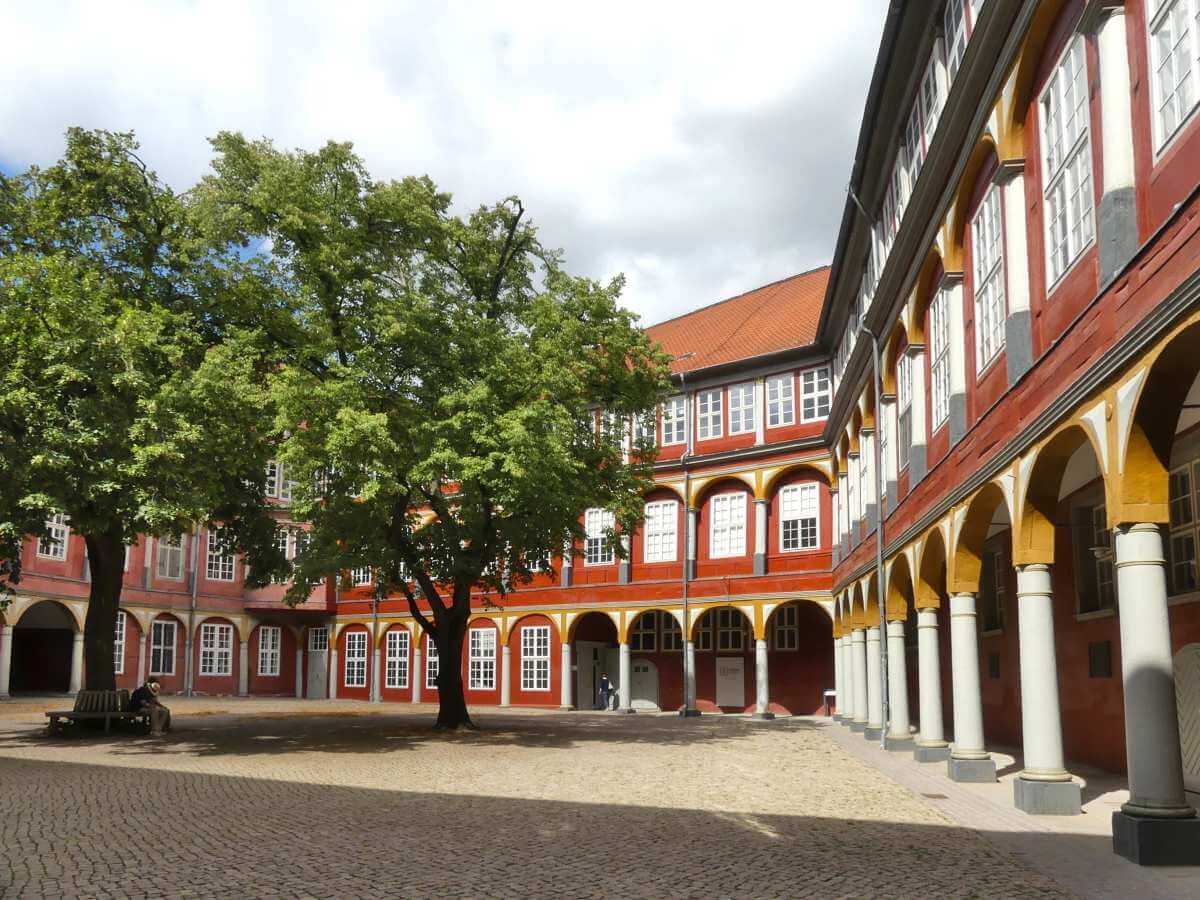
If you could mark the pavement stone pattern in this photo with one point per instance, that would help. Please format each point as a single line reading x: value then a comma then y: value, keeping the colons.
x: 343, y: 799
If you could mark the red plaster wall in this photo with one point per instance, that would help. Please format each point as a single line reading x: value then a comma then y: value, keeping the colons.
x: 518, y: 697
x: 283, y: 684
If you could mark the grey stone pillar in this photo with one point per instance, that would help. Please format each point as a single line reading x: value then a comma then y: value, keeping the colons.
x: 243, y: 669
x: 6, y: 635
x: 760, y: 536
x: 918, y: 455
x: 693, y: 519
x: 762, y: 682
x: 1018, y: 324
x: 76, y: 684
x: 625, y: 564
x: 505, y: 677
x: 952, y: 286
x: 418, y: 673
x: 299, y: 672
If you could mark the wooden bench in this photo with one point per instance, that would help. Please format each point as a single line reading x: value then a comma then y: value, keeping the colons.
x: 97, y: 706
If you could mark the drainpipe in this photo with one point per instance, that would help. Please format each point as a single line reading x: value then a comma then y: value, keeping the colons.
x: 879, y: 585
x: 689, y: 702
x: 189, y: 676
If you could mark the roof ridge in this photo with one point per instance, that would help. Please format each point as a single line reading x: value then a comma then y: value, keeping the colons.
x: 769, y: 284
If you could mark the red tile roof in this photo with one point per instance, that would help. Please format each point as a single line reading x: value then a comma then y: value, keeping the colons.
x: 782, y: 315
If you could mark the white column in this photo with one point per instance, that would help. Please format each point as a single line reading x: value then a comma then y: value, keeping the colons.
x: 867, y: 462
x: 1148, y: 675
x: 929, y: 672
x: 952, y: 285
x: 1116, y: 114
x: 375, y: 694
x: 623, y: 687
x: 1041, y: 721
x: 1018, y: 334
x: 964, y: 657
x: 693, y: 518
x: 505, y: 683
x: 838, y: 686
x: 762, y: 690
x: 760, y: 536
x: 243, y: 669
x: 418, y: 672
x: 853, y: 509
x: 6, y: 636
x: 898, y: 729
x: 891, y: 458
x: 76, y: 684
x: 874, y: 674
x: 844, y: 508
x: 299, y: 672
x: 846, y: 703
x: 859, y: 652
x: 760, y: 412
x: 143, y: 654
x: 690, y: 676
x: 334, y: 674
x: 567, y: 562
x: 568, y: 679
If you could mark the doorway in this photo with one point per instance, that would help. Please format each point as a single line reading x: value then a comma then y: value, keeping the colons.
x: 318, y: 663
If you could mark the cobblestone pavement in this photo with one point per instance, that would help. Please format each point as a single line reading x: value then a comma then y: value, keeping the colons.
x: 271, y: 798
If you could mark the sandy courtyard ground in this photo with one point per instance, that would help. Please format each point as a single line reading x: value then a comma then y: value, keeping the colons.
x: 340, y: 799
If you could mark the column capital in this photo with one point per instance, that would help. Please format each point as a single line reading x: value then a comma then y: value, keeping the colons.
x: 885, y: 398
x: 1097, y: 12
x: 950, y: 280
x: 914, y: 350
x: 1008, y: 170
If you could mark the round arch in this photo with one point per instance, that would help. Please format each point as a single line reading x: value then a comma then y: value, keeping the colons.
x: 924, y: 291
x: 972, y: 533
x: 594, y: 615
x: 702, y: 614
x: 899, y: 595
x: 786, y: 471
x: 930, y: 583
x: 1034, y: 540
x: 1024, y: 78
x: 896, y: 343
x: 43, y: 643
x: 960, y: 208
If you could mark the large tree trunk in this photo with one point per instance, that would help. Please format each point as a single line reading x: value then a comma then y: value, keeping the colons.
x: 452, y: 701
x: 106, y: 561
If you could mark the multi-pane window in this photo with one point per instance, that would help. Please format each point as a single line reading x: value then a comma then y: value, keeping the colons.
x: 318, y: 639
x: 170, y: 557
x: 597, y: 545
x: 954, y: 28
x: 704, y: 633
x: 913, y: 149
x: 781, y: 402
x: 1175, y: 64
x: 431, y: 665
x: 1067, y: 169
x: 219, y: 561
x: 360, y: 575
x: 992, y: 588
x: 54, y: 544
x: 356, y: 659
x: 708, y: 415
x: 645, y: 427
x: 814, y: 394
x: 939, y: 358
x: 785, y: 628
x: 279, y: 485
x: 660, y: 531
x: 396, y: 669
x: 728, y: 535
x: 904, y: 407
x: 882, y: 436
x: 731, y: 629
x: 216, y: 649
x: 987, y: 246
x: 119, y: 644
x: 162, y: 647
x: 672, y: 634
x: 535, y: 658
x: 674, y: 421
x: 644, y: 633
x: 1094, y: 577
x: 1181, y: 548
x: 798, y: 512
x: 481, y: 659
x: 269, y: 642
x: 930, y: 99
x: 741, y: 408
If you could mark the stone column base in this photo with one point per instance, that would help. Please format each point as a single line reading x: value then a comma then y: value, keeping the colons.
x: 625, y: 712
x: 763, y: 716
x: 971, y: 770
x: 1047, y: 798
x: 899, y: 745
x: 760, y: 564
x: 857, y: 726
x: 567, y: 708
x: 873, y: 734
x: 1156, y: 842
x: 689, y: 712
x: 931, y: 754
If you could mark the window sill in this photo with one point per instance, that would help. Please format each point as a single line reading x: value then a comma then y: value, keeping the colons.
x: 1074, y: 264
x: 1095, y: 614
x: 991, y: 363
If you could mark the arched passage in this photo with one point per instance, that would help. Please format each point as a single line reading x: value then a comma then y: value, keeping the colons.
x: 930, y: 593
x: 43, y: 649
x: 800, y: 666
x: 656, y: 646
x: 595, y: 652
x: 724, y: 639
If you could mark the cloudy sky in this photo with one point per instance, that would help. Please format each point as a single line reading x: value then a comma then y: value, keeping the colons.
x: 700, y: 149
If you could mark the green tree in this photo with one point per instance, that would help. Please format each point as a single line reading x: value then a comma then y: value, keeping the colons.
x: 442, y: 384
x: 128, y: 400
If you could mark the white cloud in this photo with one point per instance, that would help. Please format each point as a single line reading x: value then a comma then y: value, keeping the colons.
x: 700, y: 148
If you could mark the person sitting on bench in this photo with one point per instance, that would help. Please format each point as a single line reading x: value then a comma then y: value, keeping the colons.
x: 145, y: 700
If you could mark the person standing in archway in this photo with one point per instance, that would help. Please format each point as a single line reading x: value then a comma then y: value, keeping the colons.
x: 606, y: 690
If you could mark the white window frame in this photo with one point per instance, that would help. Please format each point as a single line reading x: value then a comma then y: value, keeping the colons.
x: 709, y: 422
x: 54, y: 544
x: 535, y: 658
x: 396, y: 651
x: 815, y: 392
x: 674, y: 421
x: 318, y: 639
x: 929, y: 98
x: 800, y: 505
x: 119, y: 643
x: 939, y: 358
x: 1071, y: 177
x: 598, y: 549
x: 903, y: 409
x: 643, y: 637
x: 645, y: 428
x: 354, y: 661
x: 162, y: 646
x: 1183, y: 493
x: 991, y: 302
x: 169, y: 549
x: 218, y: 565
x: 216, y: 650
x: 481, y: 668
x: 270, y: 649
x: 1184, y: 73
x: 781, y: 400
x: 727, y: 527
x: 954, y: 28
x: 432, y: 664
x: 660, y: 532
x: 278, y: 486
x: 360, y: 576
x: 742, y: 412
